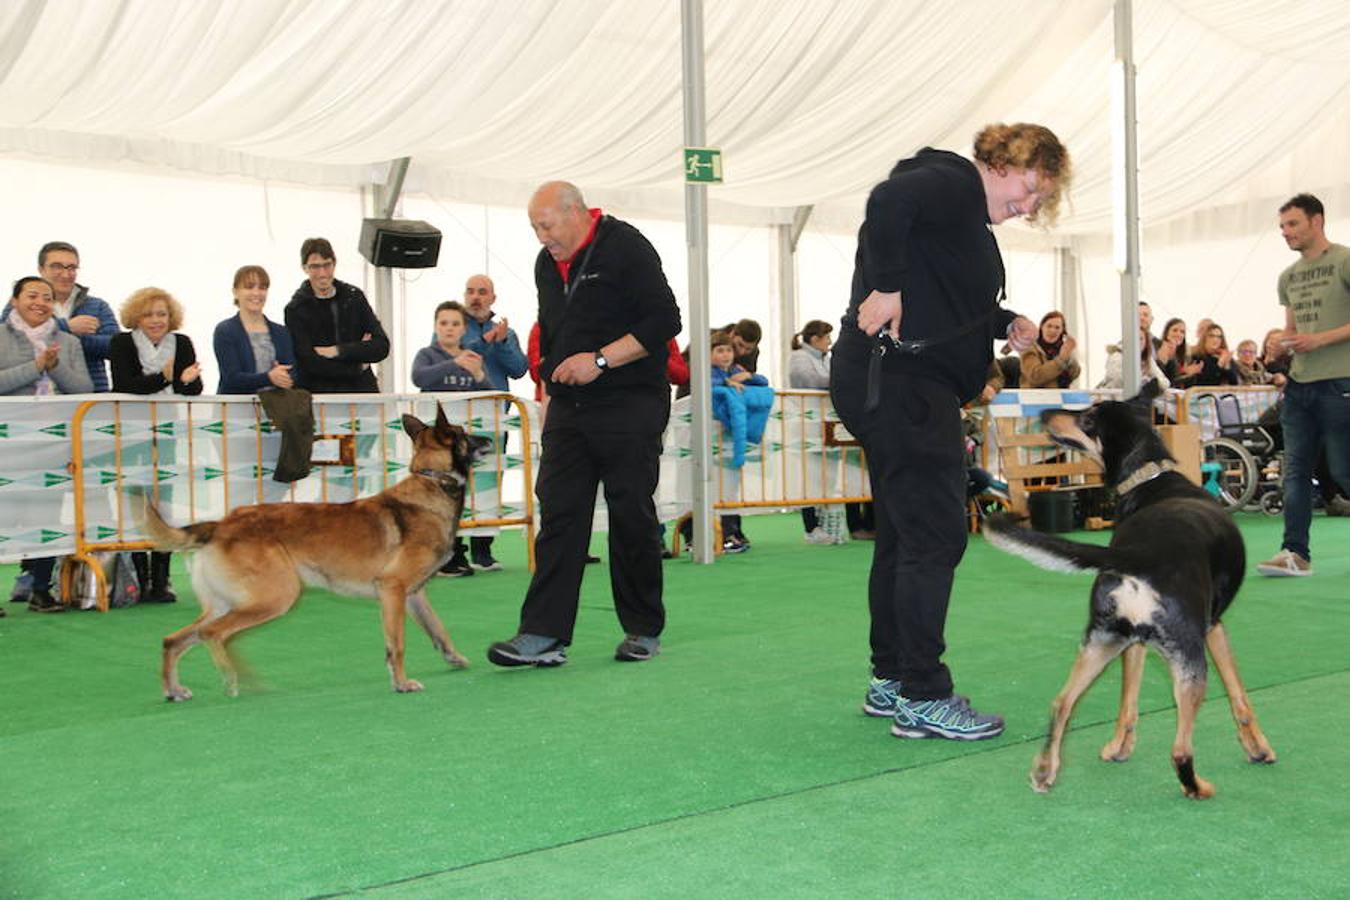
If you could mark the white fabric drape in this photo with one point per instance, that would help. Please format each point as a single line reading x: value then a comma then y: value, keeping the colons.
x: 811, y: 101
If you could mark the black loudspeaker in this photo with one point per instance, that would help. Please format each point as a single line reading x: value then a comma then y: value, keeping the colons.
x: 400, y: 243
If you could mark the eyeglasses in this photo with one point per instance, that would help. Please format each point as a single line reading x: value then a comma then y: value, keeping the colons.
x: 72, y: 268
x: 320, y: 267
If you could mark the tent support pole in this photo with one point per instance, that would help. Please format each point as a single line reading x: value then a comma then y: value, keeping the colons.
x: 385, y: 199
x: 696, y: 238
x: 1126, y: 213
x: 789, y: 305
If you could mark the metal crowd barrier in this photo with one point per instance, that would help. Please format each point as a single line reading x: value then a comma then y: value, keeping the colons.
x: 1200, y: 405
x: 806, y: 458
x: 200, y: 458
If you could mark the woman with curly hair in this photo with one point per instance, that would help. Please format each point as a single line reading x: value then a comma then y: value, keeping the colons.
x: 915, y: 345
x: 151, y: 357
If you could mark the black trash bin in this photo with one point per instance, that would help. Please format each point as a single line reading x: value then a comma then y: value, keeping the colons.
x: 1051, y: 511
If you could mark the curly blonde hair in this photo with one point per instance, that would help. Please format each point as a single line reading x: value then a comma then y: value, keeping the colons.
x: 1032, y: 147
x: 138, y: 304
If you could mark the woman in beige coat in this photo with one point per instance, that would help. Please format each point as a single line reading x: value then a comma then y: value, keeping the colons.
x: 1049, y: 362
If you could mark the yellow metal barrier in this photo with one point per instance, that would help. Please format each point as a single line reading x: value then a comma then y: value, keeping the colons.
x: 119, y: 539
x: 816, y: 426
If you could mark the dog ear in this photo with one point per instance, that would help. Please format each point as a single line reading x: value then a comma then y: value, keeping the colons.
x: 1065, y: 430
x: 442, y: 423
x: 1148, y: 392
x: 413, y: 426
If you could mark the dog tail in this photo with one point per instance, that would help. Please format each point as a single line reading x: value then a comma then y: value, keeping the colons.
x: 166, y: 536
x: 1045, y: 550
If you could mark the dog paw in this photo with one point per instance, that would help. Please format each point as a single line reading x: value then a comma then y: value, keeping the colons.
x: 1117, y: 751
x: 456, y: 661
x: 1262, y: 755
x: 1203, y: 790
x: 1043, y: 776
x: 409, y: 687
x: 177, y: 694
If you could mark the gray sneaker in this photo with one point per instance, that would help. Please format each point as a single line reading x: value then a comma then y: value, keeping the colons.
x: 883, y: 696
x: 637, y: 648
x: 951, y: 718
x: 1285, y: 563
x: 528, y: 650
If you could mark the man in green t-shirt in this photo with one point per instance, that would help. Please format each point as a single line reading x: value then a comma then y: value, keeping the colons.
x: 1315, y: 292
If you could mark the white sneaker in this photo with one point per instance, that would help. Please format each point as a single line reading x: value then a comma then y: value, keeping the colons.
x: 1285, y: 563
x: 818, y: 535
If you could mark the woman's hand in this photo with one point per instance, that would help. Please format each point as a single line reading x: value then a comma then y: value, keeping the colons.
x: 880, y: 311
x: 280, y: 376
x: 191, y: 373
x: 1066, y: 349
x: 1167, y: 351
x: 48, y: 359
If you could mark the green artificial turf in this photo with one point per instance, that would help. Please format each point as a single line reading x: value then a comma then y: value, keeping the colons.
x: 735, y: 764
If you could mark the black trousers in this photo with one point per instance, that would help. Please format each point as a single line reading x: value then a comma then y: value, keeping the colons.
x: 617, y: 444
x: 915, y: 459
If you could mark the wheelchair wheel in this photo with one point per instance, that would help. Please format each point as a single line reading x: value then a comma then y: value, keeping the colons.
x: 1231, y: 473
x: 1272, y: 503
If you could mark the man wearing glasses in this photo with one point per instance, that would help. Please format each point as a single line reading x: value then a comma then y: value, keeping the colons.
x: 336, y: 334
x: 77, y: 311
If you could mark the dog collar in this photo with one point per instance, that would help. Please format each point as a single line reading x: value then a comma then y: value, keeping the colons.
x: 1146, y: 472
x: 444, y: 479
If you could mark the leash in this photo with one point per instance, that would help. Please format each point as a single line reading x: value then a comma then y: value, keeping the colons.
x: 884, y: 344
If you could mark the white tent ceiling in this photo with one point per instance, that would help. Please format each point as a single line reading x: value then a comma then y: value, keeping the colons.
x: 1240, y: 101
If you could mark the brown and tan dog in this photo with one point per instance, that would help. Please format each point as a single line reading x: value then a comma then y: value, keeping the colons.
x: 252, y: 565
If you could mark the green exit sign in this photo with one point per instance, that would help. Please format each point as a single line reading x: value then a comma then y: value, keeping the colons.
x: 702, y: 165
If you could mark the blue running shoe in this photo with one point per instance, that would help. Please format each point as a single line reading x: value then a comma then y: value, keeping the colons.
x: 951, y: 718
x: 883, y: 696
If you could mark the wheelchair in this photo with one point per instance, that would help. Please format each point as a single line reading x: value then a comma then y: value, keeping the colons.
x: 1241, y: 465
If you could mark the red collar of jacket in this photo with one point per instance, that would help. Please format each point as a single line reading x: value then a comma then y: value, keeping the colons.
x: 565, y: 265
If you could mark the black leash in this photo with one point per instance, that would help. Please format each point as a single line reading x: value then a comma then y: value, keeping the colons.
x: 884, y: 344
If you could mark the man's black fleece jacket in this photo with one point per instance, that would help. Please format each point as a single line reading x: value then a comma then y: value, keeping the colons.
x: 339, y: 322
x: 927, y: 236
x: 619, y: 288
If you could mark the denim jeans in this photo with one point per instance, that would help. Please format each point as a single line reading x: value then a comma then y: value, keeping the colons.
x: 1314, y: 412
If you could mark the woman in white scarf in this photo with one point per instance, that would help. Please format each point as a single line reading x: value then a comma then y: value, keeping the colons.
x: 37, y: 359
x: 152, y: 358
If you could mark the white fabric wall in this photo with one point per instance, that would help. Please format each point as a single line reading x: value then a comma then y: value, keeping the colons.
x: 188, y: 234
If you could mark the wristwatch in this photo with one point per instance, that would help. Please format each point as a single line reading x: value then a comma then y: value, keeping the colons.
x: 600, y: 362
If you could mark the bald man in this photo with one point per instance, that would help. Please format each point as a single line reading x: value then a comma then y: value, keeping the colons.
x: 491, y: 339
x: 606, y: 314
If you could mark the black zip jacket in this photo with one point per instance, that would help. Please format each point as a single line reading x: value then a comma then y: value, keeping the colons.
x: 619, y: 288
x: 927, y: 235
x: 339, y: 321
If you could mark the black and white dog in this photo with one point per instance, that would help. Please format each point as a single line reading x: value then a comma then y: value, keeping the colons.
x: 1173, y: 566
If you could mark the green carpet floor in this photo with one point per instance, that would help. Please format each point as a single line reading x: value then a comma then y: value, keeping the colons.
x: 736, y: 764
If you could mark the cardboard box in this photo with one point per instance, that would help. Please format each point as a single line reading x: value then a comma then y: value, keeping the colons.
x: 1183, y: 442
